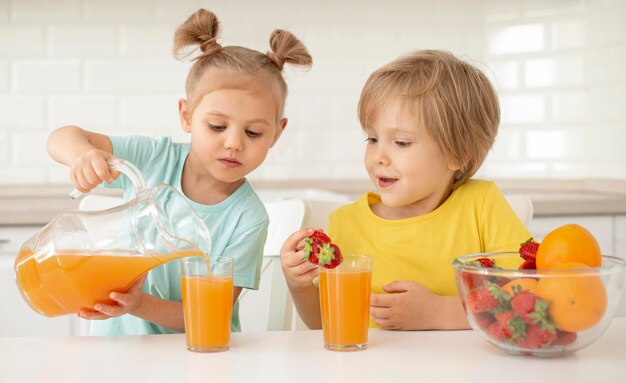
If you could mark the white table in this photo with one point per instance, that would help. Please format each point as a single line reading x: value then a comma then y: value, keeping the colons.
x: 298, y: 357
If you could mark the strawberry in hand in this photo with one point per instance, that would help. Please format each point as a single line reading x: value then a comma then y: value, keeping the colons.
x: 319, y: 250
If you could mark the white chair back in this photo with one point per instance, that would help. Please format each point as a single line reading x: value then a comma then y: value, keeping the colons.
x: 522, y: 206
x: 270, y: 307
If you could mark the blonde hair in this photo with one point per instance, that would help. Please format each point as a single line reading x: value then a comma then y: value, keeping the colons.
x: 453, y: 100
x: 202, y: 28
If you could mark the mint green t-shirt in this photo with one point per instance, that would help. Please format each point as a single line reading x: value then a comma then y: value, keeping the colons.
x: 238, y: 227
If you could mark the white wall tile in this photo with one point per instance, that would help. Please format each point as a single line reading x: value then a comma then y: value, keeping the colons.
x: 178, y: 11
x: 523, y: 108
x: 344, y: 110
x: 159, y: 113
x: 504, y: 75
x: 4, y: 76
x: 507, y: 145
x: 119, y: 10
x: 569, y: 106
x: 606, y: 142
x: 42, y: 10
x: 567, y: 34
x: 29, y: 149
x: 138, y: 76
x: 606, y: 103
x: 5, y: 149
x: 22, y: 40
x: 79, y: 40
x: 554, y: 72
x: 21, y: 113
x: 554, y: 144
x: 46, y: 76
x: 97, y: 113
x: 522, y: 38
x: 147, y: 41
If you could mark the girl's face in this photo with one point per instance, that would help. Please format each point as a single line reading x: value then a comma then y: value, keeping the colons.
x: 411, y: 174
x: 231, y: 132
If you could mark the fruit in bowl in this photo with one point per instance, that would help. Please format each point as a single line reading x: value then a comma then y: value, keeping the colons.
x: 547, y: 299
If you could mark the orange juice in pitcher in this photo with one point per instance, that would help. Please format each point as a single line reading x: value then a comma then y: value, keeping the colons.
x: 78, y: 258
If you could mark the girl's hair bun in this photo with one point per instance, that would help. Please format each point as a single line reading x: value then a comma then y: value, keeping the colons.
x: 286, y: 48
x: 201, y: 28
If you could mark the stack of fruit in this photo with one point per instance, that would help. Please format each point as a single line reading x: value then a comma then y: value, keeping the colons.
x: 546, y: 305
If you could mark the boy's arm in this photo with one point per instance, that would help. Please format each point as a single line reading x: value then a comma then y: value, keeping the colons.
x: 410, y: 306
x: 299, y: 275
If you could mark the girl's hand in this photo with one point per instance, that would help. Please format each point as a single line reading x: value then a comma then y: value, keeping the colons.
x: 125, y: 303
x: 407, y: 306
x: 299, y: 273
x: 90, y: 169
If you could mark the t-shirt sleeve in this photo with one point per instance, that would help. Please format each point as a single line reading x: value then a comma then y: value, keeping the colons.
x: 247, y: 251
x: 502, y: 228
x: 139, y: 150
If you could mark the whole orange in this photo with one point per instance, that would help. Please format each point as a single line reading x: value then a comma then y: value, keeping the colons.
x: 577, y: 298
x: 569, y: 243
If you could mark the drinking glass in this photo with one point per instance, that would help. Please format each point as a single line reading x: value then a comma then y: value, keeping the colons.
x: 344, y: 302
x: 207, y: 289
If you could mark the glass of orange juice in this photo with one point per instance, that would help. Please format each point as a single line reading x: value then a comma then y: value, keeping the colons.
x: 345, y: 302
x: 207, y: 289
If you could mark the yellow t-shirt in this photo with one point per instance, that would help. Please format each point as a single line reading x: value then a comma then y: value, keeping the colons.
x: 475, y: 218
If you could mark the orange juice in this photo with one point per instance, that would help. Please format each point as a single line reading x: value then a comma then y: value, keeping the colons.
x: 70, y: 280
x: 345, y: 301
x: 208, y: 306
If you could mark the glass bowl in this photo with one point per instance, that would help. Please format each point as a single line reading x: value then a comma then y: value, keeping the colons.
x: 543, y: 313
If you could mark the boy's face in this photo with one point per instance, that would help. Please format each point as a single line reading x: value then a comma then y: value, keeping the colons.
x: 411, y: 174
x: 231, y: 132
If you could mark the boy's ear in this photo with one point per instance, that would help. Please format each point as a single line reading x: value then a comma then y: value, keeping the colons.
x: 184, y: 115
x: 456, y: 165
x: 282, y: 124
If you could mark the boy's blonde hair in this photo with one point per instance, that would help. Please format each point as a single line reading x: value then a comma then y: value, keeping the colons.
x: 235, y: 67
x: 453, y: 100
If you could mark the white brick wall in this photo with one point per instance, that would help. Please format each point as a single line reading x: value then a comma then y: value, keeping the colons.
x: 106, y: 65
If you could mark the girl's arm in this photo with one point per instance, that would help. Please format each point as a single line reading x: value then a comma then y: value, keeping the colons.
x: 86, y: 153
x: 165, y: 313
x: 69, y: 142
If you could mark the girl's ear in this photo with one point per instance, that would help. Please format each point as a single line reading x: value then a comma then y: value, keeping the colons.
x: 282, y: 124
x: 184, y: 115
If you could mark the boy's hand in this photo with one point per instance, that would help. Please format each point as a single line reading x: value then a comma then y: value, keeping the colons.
x: 299, y: 273
x: 90, y: 169
x: 406, y: 306
x: 126, y: 303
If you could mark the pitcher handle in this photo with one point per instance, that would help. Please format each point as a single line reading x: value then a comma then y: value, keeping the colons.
x: 129, y: 170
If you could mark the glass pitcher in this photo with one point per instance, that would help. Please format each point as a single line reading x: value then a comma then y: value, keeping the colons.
x: 78, y: 258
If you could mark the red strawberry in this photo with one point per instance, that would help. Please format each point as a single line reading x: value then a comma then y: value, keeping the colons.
x: 497, y: 332
x: 481, y: 300
x: 564, y: 338
x: 329, y: 256
x: 523, y: 303
x: 528, y: 249
x: 537, y: 337
x: 319, y: 250
x: 319, y: 236
x: 528, y: 265
x: 483, y: 320
x: 486, y: 262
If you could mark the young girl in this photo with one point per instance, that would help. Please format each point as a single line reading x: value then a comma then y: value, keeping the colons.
x: 234, y: 113
x: 430, y: 120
